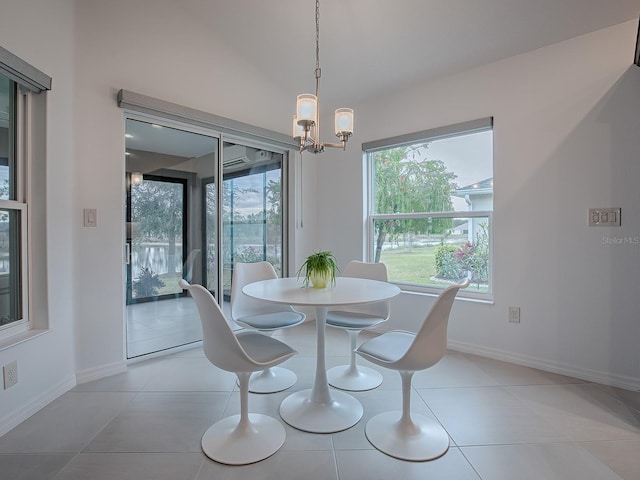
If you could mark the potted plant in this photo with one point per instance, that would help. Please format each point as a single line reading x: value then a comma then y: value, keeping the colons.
x: 320, y: 269
x: 147, y: 283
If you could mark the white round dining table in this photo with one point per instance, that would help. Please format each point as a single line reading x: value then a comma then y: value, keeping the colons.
x: 319, y: 409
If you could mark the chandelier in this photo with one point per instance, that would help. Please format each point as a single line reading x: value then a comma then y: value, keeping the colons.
x: 306, y: 121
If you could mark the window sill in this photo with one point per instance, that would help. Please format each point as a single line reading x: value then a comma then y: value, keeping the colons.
x: 19, y: 338
x: 476, y: 298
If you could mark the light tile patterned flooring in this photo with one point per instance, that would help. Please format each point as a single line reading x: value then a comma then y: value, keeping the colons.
x: 505, y: 422
x: 157, y: 326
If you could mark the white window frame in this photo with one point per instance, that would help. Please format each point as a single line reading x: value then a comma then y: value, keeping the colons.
x: 369, y: 148
x: 30, y: 81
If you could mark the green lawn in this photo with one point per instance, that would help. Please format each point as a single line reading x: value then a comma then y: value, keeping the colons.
x: 415, y: 265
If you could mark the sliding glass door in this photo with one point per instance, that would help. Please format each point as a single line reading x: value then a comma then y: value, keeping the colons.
x: 170, y: 232
x: 183, y: 223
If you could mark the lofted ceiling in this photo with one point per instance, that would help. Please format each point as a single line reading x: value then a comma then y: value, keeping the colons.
x: 369, y: 48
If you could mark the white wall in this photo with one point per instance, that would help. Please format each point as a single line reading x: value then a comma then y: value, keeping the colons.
x: 566, y: 138
x: 156, y: 48
x: 41, y: 33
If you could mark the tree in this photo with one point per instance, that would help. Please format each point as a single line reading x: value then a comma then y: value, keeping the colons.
x: 274, y: 194
x: 4, y: 194
x: 157, y: 209
x: 406, y: 182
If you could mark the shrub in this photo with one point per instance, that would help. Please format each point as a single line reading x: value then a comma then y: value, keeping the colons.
x: 248, y: 255
x: 446, y: 263
x: 146, y: 283
x: 473, y: 259
x: 469, y: 260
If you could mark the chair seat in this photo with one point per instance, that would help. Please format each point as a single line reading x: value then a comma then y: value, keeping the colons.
x: 271, y: 321
x: 352, y: 320
x: 386, y: 348
x: 263, y: 349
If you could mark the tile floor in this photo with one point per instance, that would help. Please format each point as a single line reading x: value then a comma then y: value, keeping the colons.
x: 156, y: 326
x: 505, y: 422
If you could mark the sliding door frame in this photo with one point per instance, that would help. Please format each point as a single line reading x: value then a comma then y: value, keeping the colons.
x: 149, y: 109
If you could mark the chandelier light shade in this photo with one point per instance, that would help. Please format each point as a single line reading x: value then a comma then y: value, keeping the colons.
x: 307, y: 107
x: 344, y: 122
x: 306, y: 121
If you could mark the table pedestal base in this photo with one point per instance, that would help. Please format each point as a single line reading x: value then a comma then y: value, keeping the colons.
x: 339, y: 413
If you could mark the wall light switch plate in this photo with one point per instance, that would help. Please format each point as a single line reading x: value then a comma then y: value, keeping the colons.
x: 90, y: 217
x: 604, y: 217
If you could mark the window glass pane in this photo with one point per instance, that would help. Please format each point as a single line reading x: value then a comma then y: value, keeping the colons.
x: 158, y: 214
x: 419, y: 194
x: 7, y: 121
x: 442, y: 175
x: 435, y: 251
x: 252, y: 215
x: 10, y: 234
x: 211, y: 213
x: 274, y: 218
x: 10, y: 278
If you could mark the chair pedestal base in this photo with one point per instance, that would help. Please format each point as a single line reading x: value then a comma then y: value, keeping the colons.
x: 423, y: 440
x: 358, y: 379
x: 224, y: 442
x: 272, y: 380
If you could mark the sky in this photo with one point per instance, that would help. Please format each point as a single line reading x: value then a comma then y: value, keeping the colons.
x: 470, y: 157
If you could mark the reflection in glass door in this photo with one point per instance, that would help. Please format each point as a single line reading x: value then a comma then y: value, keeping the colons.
x: 158, y: 218
x: 167, y: 168
x: 252, y: 228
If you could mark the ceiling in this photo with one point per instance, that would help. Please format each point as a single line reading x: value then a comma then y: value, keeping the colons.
x: 370, y: 48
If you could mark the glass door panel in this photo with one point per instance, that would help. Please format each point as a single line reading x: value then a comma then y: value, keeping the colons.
x: 169, y: 226
x: 252, y: 208
x: 157, y: 246
x: 210, y: 220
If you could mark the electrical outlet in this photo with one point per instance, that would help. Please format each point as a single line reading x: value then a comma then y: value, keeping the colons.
x: 514, y: 314
x: 10, y: 374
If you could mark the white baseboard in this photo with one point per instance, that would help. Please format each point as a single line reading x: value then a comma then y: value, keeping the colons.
x: 604, y: 378
x: 97, y: 373
x: 15, y: 418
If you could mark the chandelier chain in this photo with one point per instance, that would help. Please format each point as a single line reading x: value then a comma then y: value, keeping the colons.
x: 317, y: 39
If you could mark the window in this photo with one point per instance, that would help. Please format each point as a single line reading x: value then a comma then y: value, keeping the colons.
x: 19, y: 82
x: 430, y: 207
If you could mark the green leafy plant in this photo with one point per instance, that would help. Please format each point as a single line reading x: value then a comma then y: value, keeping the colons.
x: 248, y: 255
x: 470, y: 260
x: 318, y: 266
x: 147, y: 283
x: 446, y: 262
x: 476, y: 259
